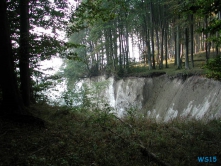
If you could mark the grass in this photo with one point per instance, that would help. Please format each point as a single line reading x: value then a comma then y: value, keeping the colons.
x: 83, y: 138
x: 142, y: 70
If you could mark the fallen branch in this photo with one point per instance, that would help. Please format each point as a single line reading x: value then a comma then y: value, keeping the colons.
x: 3, y: 133
x: 151, y: 156
x: 143, y: 149
x: 7, y: 131
x: 124, y: 122
x: 37, y: 151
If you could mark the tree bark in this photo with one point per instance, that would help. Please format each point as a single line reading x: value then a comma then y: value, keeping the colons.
x: 152, y: 33
x: 24, y: 52
x: 161, y: 54
x: 147, y: 40
x: 187, y: 49
x: 206, y: 42
x: 12, y: 102
x: 191, y: 39
x: 166, y: 46
x: 178, y: 47
x: 158, y: 47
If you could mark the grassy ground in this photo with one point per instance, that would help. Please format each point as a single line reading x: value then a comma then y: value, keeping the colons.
x: 142, y: 70
x: 81, y: 138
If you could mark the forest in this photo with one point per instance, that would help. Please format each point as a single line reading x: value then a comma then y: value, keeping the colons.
x: 161, y: 30
x: 101, y: 38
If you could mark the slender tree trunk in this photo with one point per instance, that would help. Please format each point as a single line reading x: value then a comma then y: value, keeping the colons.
x: 152, y: 33
x: 115, y: 47
x: 147, y: 42
x: 148, y: 52
x: 178, y: 47
x: 158, y: 47
x: 206, y: 43
x: 187, y: 49
x: 12, y: 102
x: 120, y: 50
x: 127, y: 46
x: 166, y: 46
x: 111, y: 48
x: 217, y: 35
x: 24, y: 52
x: 175, y: 46
x: 102, y: 55
x: 161, y: 54
x: 107, y: 50
x: 191, y: 40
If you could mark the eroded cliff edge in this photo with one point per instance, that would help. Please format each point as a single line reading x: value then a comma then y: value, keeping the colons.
x: 163, y: 97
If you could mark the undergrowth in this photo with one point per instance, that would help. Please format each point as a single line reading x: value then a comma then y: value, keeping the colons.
x: 98, y: 138
x: 214, y: 68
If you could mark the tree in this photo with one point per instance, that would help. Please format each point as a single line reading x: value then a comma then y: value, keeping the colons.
x: 152, y: 33
x: 24, y: 51
x: 187, y: 48
x: 191, y: 39
x: 12, y: 102
x: 44, y: 14
x: 179, y: 65
x: 150, y: 23
x: 12, y: 32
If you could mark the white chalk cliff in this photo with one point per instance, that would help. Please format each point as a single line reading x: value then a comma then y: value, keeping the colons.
x: 163, y: 98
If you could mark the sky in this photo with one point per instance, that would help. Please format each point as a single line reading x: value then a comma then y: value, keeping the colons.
x: 55, y: 62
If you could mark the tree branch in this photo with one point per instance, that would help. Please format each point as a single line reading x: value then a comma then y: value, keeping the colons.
x: 143, y: 149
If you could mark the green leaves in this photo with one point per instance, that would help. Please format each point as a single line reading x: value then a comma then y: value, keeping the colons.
x: 89, y: 12
x: 214, y: 67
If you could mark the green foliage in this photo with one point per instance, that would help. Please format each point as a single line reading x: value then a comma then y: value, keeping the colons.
x: 95, y: 92
x: 86, y: 97
x: 206, y: 9
x: 214, y: 67
x: 132, y: 18
x: 77, y: 97
x: 73, y: 70
x: 46, y: 15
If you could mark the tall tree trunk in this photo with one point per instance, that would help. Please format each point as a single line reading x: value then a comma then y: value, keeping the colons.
x: 148, y: 52
x: 187, y: 49
x: 217, y: 35
x: 175, y: 46
x: 206, y: 42
x: 102, y: 55
x: 120, y: 50
x: 147, y: 42
x: 152, y: 33
x: 12, y: 102
x: 178, y: 47
x: 127, y: 47
x: 161, y: 54
x: 166, y: 46
x: 24, y: 51
x: 115, y: 47
x: 107, y: 50
x: 158, y: 47
x: 111, y: 48
x: 191, y: 40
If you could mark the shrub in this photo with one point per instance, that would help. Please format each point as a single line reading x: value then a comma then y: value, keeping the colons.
x: 214, y: 67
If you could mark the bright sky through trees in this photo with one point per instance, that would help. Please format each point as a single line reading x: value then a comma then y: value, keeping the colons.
x: 56, y: 62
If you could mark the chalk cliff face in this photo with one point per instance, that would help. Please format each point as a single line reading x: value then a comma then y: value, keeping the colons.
x: 163, y: 98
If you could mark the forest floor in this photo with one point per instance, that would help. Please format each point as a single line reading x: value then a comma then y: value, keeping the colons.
x: 142, y: 70
x: 77, y: 137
